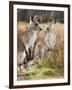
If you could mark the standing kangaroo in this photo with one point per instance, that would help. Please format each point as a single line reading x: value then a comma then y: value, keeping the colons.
x: 50, y: 38
x: 26, y: 40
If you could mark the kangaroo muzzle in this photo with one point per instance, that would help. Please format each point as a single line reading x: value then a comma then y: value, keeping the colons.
x: 40, y: 29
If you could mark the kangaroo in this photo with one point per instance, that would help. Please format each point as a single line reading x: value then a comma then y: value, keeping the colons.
x: 26, y: 40
x: 50, y: 38
x: 39, y: 50
x: 29, y: 37
x: 47, y: 37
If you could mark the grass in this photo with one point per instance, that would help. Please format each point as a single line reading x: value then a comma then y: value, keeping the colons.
x: 52, y: 64
x: 39, y: 73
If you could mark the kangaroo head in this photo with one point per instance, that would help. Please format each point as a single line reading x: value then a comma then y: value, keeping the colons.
x: 49, y: 27
x: 34, y: 24
x: 50, y: 24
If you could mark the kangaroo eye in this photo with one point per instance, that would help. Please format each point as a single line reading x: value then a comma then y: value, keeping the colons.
x: 36, y: 24
x: 47, y: 28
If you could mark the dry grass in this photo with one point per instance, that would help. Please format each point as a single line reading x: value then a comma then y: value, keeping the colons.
x: 22, y: 26
x: 52, y: 64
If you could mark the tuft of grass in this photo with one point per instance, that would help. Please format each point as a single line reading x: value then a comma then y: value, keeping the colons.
x: 48, y: 72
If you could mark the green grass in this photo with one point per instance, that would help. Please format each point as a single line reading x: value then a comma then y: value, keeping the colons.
x: 39, y: 72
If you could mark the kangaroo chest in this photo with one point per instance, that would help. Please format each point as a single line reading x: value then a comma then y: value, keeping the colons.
x: 30, y: 39
x: 50, y: 39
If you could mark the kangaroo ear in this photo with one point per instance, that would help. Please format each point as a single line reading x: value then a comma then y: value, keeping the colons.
x: 32, y: 17
x: 37, y: 18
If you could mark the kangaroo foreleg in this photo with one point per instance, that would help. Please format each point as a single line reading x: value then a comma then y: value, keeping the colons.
x: 34, y: 49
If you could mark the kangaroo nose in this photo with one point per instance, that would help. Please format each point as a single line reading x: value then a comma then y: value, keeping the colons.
x: 40, y: 29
